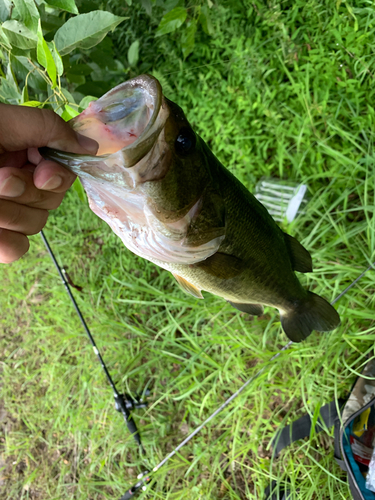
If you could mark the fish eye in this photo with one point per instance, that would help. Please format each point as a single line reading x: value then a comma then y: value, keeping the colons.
x: 185, y: 142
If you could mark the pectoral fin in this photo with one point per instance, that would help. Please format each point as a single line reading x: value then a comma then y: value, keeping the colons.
x: 222, y: 265
x: 208, y: 222
x: 188, y: 287
x: 253, y: 309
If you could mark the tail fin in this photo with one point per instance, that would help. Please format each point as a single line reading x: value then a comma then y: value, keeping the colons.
x: 314, y: 313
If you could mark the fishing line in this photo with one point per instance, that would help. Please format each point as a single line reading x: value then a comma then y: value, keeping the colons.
x: 352, y: 284
x: 122, y: 403
x: 146, y: 477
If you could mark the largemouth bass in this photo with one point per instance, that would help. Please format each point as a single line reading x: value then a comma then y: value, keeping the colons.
x: 164, y: 193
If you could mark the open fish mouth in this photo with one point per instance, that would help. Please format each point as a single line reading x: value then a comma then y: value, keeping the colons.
x: 124, y: 122
x: 122, y: 117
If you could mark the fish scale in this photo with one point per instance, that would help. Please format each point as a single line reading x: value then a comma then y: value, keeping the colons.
x: 172, y: 202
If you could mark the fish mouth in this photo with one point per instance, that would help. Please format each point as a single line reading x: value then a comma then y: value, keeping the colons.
x: 124, y: 122
x: 123, y: 116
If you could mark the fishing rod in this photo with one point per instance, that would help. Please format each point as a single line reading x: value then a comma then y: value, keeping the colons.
x: 145, y: 478
x: 123, y: 402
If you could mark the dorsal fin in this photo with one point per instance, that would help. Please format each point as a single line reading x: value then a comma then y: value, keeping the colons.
x: 188, y: 287
x: 300, y: 257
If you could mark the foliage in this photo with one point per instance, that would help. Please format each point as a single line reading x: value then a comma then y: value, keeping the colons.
x: 34, y: 38
x: 280, y: 88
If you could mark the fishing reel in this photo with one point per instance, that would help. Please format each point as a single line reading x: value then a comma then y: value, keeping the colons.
x: 125, y: 400
x: 124, y: 403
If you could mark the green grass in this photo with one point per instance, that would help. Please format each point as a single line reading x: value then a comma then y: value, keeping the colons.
x: 282, y: 90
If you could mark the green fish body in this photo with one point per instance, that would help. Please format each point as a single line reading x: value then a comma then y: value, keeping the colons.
x: 169, y: 199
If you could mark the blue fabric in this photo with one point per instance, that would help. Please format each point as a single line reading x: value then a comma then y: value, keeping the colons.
x: 367, y: 494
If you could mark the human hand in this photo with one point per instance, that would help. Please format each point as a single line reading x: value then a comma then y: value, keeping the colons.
x: 30, y: 185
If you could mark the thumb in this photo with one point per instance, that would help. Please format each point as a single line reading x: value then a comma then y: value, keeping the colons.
x: 22, y: 127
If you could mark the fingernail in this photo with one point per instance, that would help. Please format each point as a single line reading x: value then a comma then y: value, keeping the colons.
x: 12, y: 187
x: 54, y: 182
x: 89, y: 144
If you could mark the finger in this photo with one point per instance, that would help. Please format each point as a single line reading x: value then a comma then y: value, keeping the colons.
x: 50, y: 176
x: 12, y: 246
x: 20, y: 218
x: 45, y: 170
x: 34, y: 156
x: 17, y: 185
x: 22, y: 127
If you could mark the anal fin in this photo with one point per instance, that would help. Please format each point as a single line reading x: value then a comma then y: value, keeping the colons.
x: 188, y: 287
x: 253, y: 309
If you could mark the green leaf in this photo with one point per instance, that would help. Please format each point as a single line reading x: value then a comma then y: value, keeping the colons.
x: 44, y: 57
x: 205, y: 20
x: 10, y: 76
x: 78, y: 79
x: 25, y: 95
x: 147, y: 5
x: 19, y: 35
x: 80, y: 69
x: 68, y: 5
x: 68, y: 96
x: 86, y: 101
x: 171, y: 21
x: 97, y: 88
x: 55, y: 101
x: 5, y: 10
x: 314, y: 421
x: 337, y: 35
x: 350, y: 10
x: 12, y: 83
x: 171, y: 4
x: 133, y: 53
x: 103, y: 55
x: 188, y: 39
x: 85, y: 31
x: 32, y: 104
x: 28, y: 12
x: 23, y: 69
x: 78, y: 188
x: 56, y: 57
x: 69, y: 113
x: 9, y: 92
x: 51, y: 22
x: 103, y: 59
x: 4, y: 40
